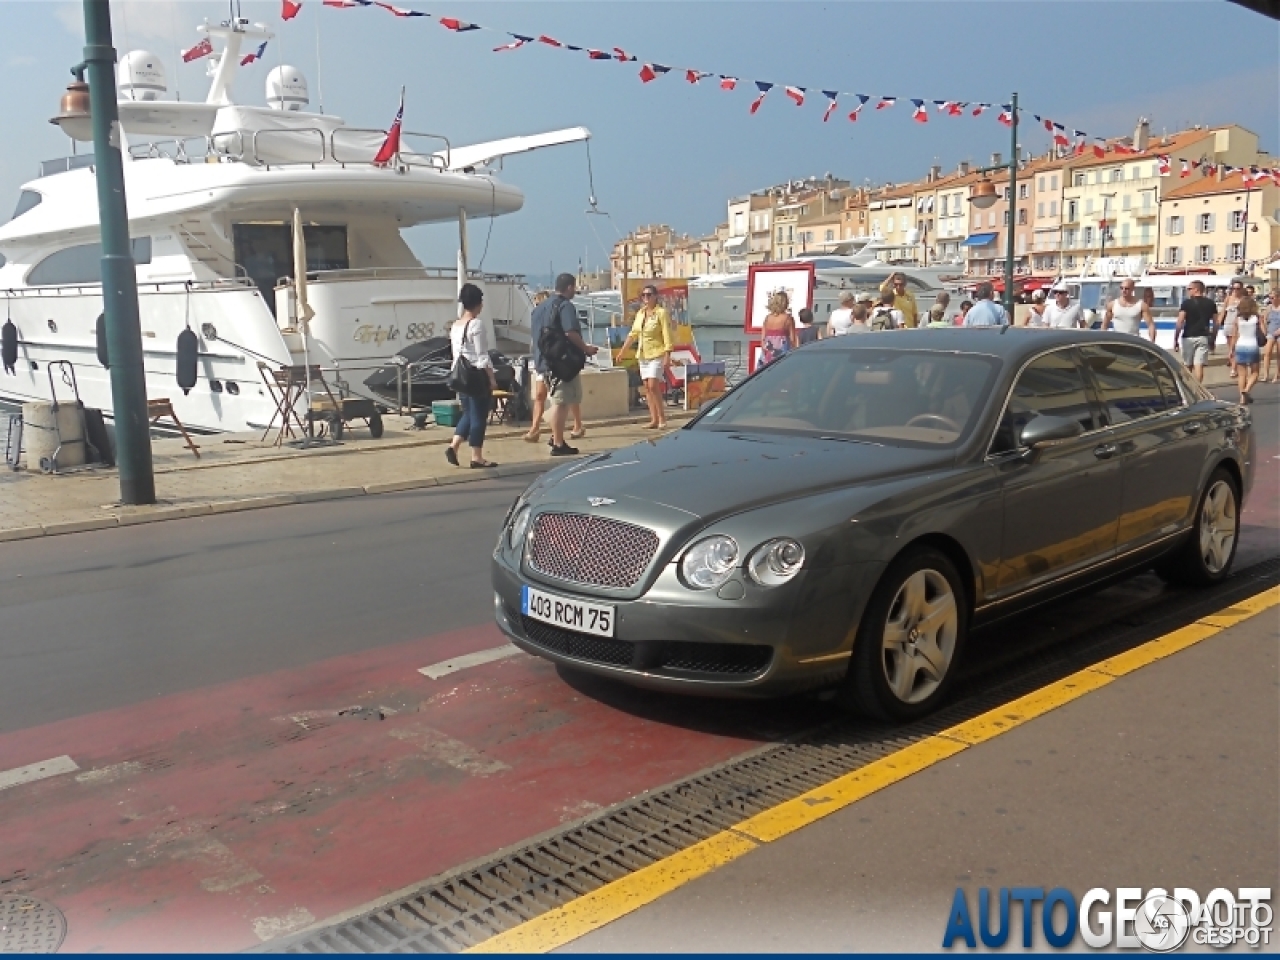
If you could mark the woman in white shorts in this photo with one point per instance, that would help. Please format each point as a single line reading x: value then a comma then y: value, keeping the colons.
x: 651, y: 332
x: 1244, y: 346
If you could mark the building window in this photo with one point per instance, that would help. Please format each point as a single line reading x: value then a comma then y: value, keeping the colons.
x: 875, y: 226
x: 1117, y: 176
x: 1040, y: 183
x: 1053, y: 208
x: 1006, y: 194
x: 862, y: 216
x: 1235, y: 251
x: 1237, y: 221
x: 1040, y: 209
x: 1204, y: 253
x: 991, y: 217
x: 1086, y: 236
x: 781, y: 236
x: 1068, y: 238
x: 1174, y: 226
x: 1053, y: 182
x: 1173, y: 255
x: 1024, y: 191
x: 1204, y: 223
x: 1145, y: 233
x: 1069, y: 263
x: 1022, y: 216
x: 1088, y: 205
x: 1126, y: 202
x: 830, y: 235
x: 977, y: 221
x: 1146, y: 199
x: 1005, y: 219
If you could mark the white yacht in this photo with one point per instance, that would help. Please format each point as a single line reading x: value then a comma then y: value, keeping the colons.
x: 211, y: 190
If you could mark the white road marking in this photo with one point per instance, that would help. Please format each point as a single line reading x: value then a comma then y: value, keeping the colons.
x: 37, y: 771
x: 446, y: 667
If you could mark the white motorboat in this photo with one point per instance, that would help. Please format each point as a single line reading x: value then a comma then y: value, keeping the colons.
x: 211, y: 190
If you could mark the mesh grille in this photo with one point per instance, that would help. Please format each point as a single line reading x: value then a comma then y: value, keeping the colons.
x: 726, y: 659
x: 740, y: 659
x: 590, y: 550
x: 580, y: 646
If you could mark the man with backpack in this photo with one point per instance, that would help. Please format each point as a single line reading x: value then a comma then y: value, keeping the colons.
x: 559, y: 354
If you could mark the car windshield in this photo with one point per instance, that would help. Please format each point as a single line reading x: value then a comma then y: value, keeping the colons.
x: 899, y: 397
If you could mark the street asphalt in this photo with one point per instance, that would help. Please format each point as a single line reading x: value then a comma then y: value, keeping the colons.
x: 202, y: 673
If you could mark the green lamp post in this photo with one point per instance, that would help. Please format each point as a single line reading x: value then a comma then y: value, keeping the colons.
x: 119, y: 280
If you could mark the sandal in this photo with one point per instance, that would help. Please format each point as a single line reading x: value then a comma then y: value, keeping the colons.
x: 482, y: 464
x: 578, y: 434
x: 451, y: 455
x: 532, y: 437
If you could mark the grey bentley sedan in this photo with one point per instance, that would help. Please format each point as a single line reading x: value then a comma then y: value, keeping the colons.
x: 848, y: 514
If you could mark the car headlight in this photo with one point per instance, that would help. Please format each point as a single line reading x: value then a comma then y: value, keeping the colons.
x: 775, y: 561
x: 519, y: 527
x: 710, y: 562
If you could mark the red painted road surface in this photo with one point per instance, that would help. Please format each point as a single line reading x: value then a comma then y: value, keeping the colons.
x: 213, y: 819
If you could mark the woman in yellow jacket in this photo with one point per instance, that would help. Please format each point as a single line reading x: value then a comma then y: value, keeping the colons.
x: 652, y: 331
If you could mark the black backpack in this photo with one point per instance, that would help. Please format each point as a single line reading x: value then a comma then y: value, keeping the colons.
x: 564, y: 359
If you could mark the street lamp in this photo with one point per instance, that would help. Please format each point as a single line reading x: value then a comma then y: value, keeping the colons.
x: 1104, y: 225
x: 983, y: 195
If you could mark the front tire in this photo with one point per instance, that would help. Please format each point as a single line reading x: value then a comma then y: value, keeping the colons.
x: 910, y: 640
x: 1205, y: 557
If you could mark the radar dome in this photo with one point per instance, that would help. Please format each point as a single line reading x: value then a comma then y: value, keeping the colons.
x: 287, y: 89
x: 140, y: 76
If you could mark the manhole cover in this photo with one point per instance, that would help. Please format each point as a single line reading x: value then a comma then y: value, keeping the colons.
x: 28, y: 925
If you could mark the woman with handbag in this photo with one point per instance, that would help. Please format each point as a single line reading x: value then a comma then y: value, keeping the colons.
x: 471, y: 377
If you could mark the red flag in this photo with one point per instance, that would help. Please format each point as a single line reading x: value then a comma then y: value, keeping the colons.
x: 598, y: 55
x: 1006, y: 115
x: 919, y: 114
x: 693, y: 76
x: 651, y: 71
x: 796, y: 94
x: 886, y: 102
x: 457, y: 26
x: 1060, y: 136
x: 201, y: 49
x: 290, y: 9
x: 620, y: 54
x: 1162, y: 161
x: 391, y: 146
x: 549, y: 41
x: 764, y: 89
x: 831, y: 96
x: 728, y: 83
x: 1186, y: 169
x: 1099, y: 149
x: 515, y: 44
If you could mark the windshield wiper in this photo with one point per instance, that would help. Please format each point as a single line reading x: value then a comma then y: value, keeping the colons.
x: 869, y: 443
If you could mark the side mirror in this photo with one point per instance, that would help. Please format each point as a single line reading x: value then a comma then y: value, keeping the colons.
x: 1047, y: 429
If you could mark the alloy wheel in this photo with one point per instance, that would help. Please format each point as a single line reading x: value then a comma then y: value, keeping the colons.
x: 920, y: 635
x: 1218, y: 525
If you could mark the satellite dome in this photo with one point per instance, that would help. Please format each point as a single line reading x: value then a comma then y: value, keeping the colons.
x: 140, y: 76
x: 287, y: 89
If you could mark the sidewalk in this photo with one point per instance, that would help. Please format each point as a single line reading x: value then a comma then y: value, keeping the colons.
x: 240, y: 472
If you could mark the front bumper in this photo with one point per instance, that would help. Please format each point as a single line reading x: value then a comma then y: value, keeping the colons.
x: 764, y: 643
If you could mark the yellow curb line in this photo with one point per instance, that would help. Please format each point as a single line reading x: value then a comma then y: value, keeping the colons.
x: 593, y: 910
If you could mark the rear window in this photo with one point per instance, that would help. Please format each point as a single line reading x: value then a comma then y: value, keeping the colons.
x: 898, y: 397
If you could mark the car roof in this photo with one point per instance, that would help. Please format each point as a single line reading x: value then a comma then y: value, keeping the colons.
x: 1009, y: 343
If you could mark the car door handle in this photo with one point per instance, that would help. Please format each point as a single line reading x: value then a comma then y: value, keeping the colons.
x: 1193, y: 426
x: 1106, y: 451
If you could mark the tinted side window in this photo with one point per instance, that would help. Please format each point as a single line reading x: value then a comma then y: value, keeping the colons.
x: 1052, y: 386
x: 1166, y: 379
x: 80, y: 264
x: 1125, y: 381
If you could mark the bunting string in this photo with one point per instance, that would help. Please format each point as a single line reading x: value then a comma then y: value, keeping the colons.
x: 1066, y: 141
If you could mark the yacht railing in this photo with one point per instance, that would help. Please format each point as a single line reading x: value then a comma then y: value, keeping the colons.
x: 407, y: 273
x: 248, y: 146
x: 222, y: 284
x: 62, y: 164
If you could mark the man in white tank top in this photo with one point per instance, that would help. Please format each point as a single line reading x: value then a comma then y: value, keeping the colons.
x: 1127, y: 313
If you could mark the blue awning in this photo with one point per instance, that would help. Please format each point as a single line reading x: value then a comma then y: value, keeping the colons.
x: 978, y: 240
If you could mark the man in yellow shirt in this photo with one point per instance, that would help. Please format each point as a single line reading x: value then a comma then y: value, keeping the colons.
x: 652, y: 330
x: 903, y: 299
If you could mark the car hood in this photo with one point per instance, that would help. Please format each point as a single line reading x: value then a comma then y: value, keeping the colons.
x: 709, y: 473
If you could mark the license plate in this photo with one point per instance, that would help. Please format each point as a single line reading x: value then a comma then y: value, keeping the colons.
x: 594, y: 618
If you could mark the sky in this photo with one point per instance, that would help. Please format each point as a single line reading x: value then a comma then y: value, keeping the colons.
x: 667, y: 151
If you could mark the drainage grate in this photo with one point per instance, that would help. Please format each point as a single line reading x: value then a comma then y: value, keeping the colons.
x: 466, y: 907
x: 28, y: 925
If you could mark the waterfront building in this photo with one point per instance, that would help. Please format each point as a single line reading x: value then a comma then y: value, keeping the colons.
x: 1219, y: 222
x: 1111, y: 204
x: 892, y: 215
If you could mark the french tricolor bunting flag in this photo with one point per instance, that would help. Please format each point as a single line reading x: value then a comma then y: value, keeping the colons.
x: 832, y: 96
x: 918, y: 113
x: 764, y: 89
x: 796, y: 94
x: 886, y: 102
